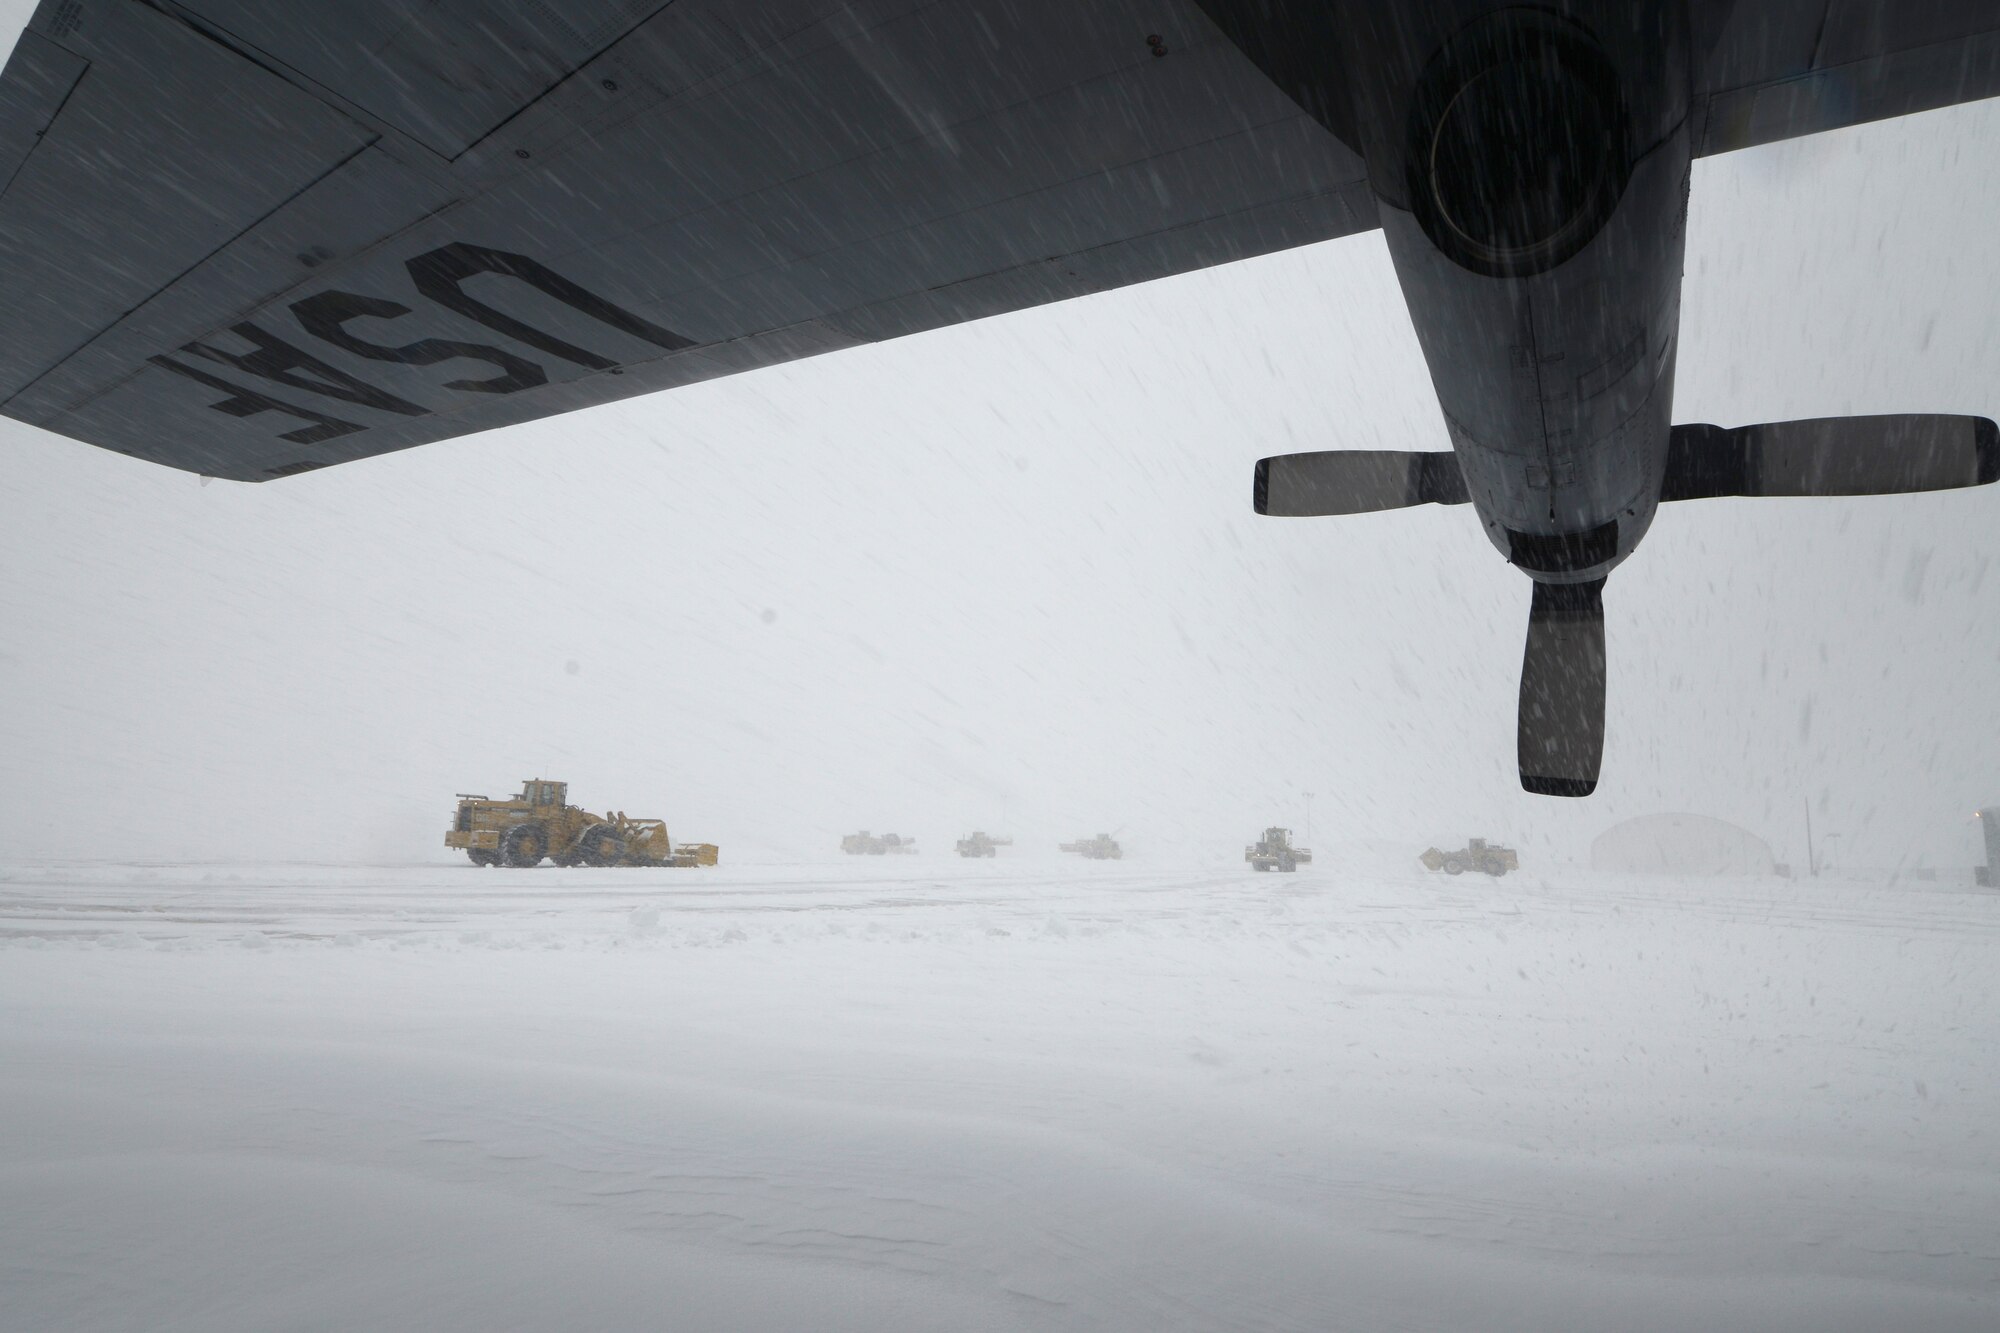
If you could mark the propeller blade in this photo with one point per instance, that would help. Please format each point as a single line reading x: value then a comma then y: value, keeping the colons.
x: 1832, y: 456
x: 1354, y: 481
x: 1561, y: 736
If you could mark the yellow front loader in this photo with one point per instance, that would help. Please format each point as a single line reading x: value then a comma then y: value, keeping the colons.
x: 540, y: 824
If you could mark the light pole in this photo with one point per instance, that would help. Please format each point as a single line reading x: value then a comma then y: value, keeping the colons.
x: 1988, y: 875
x: 1812, y: 862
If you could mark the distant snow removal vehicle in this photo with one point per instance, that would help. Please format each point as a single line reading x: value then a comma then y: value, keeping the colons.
x: 1989, y: 874
x: 978, y: 844
x: 1475, y: 855
x: 865, y: 843
x: 1100, y: 848
x: 1274, y: 851
x: 540, y: 823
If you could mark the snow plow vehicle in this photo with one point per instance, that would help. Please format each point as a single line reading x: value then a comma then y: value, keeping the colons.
x: 1274, y: 851
x: 1477, y: 854
x: 540, y: 824
x: 865, y: 843
x: 978, y: 844
x: 1100, y: 848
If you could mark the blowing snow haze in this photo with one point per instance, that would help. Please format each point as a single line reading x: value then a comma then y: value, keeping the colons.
x: 1007, y: 572
x: 778, y: 421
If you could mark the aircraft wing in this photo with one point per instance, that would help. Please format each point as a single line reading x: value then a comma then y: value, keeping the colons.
x: 1777, y: 70
x: 252, y: 239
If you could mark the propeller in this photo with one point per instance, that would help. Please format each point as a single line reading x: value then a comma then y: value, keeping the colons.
x: 1354, y: 481
x: 1560, y: 742
x: 1893, y: 455
x: 1560, y: 737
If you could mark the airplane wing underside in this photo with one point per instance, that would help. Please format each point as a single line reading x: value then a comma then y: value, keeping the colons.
x: 249, y: 240
x: 1775, y: 71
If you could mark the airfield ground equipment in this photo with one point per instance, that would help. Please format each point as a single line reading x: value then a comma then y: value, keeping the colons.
x: 1477, y: 854
x: 1274, y: 851
x: 1103, y: 847
x: 979, y: 844
x: 540, y: 823
x: 1989, y: 874
x: 865, y: 843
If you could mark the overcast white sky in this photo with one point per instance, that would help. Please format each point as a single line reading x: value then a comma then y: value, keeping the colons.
x: 1008, y: 574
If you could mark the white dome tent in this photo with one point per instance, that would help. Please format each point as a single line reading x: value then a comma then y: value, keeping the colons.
x: 1681, y: 844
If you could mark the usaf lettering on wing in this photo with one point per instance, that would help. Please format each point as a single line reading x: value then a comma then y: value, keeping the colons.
x: 439, y: 276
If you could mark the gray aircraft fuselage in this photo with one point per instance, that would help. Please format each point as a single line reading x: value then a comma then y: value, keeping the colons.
x: 1532, y: 175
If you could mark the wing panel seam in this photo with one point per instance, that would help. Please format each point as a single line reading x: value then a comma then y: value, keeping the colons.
x: 41, y: 136
x: 174, y: 281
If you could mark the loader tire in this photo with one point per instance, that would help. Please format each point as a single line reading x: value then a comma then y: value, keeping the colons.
x: 1494, y: 867
x: 524, y: 845
x: 600, y: 845
x: 1259, y: 867
x: 1454, y: 865
x: 480, y: 856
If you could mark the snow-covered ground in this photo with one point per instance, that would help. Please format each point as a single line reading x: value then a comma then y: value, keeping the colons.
x: 926, y: 1093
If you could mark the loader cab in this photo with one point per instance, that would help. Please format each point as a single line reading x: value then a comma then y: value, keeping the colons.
x: 537, y: 792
